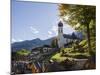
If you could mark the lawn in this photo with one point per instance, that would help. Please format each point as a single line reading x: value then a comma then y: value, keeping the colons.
x: 68, y: 53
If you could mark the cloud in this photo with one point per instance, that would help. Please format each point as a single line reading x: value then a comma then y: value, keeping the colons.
x: 19, y: 40
x: 16, y: 40
x: 13, y: 40
x: 50, y: 34
x: 34, y: 30
x: 55, y: 29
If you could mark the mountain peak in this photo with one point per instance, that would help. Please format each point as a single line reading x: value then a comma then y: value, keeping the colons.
x: 29, y: 44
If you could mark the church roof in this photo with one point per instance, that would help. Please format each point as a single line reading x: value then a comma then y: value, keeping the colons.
x: 70, y: 36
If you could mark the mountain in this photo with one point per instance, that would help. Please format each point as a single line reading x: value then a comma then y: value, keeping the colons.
x: 30, y: 44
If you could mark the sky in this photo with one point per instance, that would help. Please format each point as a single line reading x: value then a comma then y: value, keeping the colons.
x: 31, y: 20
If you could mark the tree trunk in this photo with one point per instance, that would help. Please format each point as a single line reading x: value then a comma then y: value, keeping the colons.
x: 88, y: 38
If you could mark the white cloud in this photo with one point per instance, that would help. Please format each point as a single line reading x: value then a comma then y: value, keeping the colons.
x: 19, y: 40
x: 55, y: 29
x: 49, y: 36
x: 13, y: 40
x: 16, y: 40
x: 49, y: 32
x: 34, y: 30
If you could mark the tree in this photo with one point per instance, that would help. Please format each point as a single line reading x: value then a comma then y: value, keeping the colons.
x: 23, y: 52
x: 54, y: 43
x: 79, y: 17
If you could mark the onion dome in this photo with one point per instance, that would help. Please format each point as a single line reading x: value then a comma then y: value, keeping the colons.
x: 60, y: 24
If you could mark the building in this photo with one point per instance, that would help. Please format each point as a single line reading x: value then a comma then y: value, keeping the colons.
x: 64, y: 39
x: 46, y: 49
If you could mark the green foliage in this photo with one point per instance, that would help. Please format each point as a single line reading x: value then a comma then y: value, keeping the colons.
x: 57, y: 57
x: 81, y: 56
x: 23, y: 52
x: 69, y: 53
x: 93, y: 53
x: 66, y: 50
x: 81, y: 18
x: 83, y: 42
x: 77, y: 13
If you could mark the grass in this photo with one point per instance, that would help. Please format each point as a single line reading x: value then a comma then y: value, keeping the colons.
x: 70, y: 54
x: 23, y: 52
x: 68, y: 49
x: 79, y: 55
x: 58, y: 57
x: 77, y: 51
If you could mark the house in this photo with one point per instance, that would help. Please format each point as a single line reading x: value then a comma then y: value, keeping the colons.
x: 40, y: 51
x: 36, y: 50
x: 43, y: 49
x: 46, y: 48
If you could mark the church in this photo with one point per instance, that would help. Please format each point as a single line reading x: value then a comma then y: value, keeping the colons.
x: 64, y: 39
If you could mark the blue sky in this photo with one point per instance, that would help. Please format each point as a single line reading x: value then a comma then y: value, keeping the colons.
x: 32, y: 20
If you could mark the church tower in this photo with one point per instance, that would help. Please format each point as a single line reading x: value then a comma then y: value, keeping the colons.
x: 60, y: 35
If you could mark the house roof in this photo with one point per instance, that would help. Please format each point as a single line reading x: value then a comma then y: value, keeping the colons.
x: 46, y: 46
x: 73, y: 36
